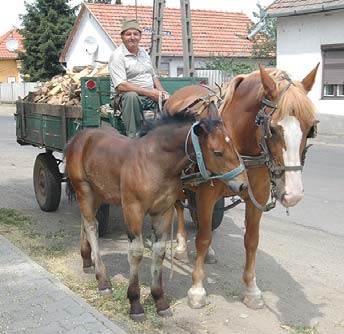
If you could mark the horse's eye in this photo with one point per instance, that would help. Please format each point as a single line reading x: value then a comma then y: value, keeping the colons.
x: 273, y: 130
x: 312, y: 132
x: 218, y: 153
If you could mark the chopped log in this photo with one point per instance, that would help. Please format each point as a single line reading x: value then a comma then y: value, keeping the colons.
x: 66, y: 88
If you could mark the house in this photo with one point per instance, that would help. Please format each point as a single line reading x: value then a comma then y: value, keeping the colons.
x: 309, y: 32
x: 9, y: 64
x: 96, y: 33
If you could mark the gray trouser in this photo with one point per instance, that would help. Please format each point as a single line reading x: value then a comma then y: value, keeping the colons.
x: 132, y: 111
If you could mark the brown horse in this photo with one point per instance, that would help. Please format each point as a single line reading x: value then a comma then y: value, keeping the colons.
x: 269, y: 117
x: 142, y: 175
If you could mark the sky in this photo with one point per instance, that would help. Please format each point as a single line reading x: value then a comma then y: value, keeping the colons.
x: 9, y: 16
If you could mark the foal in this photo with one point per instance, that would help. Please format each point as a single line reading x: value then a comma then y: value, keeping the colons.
x: 142, y: 175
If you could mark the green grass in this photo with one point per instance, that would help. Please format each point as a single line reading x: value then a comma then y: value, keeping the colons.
x: 50, y: 249
x: 300, y: 329
x: 23, y: 232
x: 10, y: 218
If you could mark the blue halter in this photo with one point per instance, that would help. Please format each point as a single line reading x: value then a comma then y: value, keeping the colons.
x: 200, y: 162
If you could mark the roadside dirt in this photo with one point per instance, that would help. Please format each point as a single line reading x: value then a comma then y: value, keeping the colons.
x: 299, y: 270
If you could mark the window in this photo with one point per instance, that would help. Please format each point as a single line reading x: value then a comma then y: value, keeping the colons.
x: 333, y: 71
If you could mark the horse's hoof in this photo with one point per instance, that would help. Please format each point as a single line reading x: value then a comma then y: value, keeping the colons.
x: 88, y: 270
x: 165, y: 313
x: 197, y: 297
x: 105, y: 292
x: 137, y: 317
x: 210, y: 257
x: 182, y: 256
x: 254, y: 302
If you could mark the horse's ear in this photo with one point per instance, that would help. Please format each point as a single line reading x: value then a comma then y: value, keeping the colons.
x: 309, y: 79
x: 268, y: 83
x: 200, y: 128
x: 213, y: 112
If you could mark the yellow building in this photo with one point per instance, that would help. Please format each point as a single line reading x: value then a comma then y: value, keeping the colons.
x: 9, y: 64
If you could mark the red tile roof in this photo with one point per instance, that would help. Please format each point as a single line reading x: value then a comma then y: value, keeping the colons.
x: 214, y: 32
x: 298, y: 7
x: 4, y: 52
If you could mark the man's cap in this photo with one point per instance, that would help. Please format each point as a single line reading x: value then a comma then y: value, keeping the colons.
x: 130, y: 24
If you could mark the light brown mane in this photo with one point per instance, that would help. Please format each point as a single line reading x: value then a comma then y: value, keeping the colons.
x: 294, y: 100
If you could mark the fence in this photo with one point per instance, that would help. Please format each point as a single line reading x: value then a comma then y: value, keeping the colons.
x: 214, y: 76
x: 10, y: 92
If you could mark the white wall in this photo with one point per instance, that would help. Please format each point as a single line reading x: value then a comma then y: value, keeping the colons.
x: 299, y: 40
x: 77, y: 55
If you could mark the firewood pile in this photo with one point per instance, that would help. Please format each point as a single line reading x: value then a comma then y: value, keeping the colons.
x: 66, y: 89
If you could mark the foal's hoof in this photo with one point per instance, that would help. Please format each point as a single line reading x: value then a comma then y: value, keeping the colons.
x: 197, y: 297
x: 254, y: 302
x: 105, y: 292
x: 210, y: 257
x: 165, y: 313
x: 137, y: 317
x: 182, y: 256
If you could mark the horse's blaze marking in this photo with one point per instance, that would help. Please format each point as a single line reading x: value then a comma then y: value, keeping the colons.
x: 291, y: 156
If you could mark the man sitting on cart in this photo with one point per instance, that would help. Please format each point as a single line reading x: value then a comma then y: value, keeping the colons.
x: 134, y: 78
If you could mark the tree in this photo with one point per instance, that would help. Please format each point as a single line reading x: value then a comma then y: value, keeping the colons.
x: 229, y: 65
x: 264, y: 42
x: 46, y: 27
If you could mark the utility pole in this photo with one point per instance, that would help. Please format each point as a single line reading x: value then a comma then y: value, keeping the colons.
x: 158, y: 13
x: 188, y: 57
x: 155, y: 54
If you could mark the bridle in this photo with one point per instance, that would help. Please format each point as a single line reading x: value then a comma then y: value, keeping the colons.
x: 204, y: 175
x: 263, y: 119
x: 200, y: 161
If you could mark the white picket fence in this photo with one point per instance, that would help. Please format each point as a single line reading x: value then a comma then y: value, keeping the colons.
x: 10, y: 92
x: 214, y: 76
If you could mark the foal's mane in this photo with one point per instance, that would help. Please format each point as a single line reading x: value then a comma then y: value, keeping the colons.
x: 176, y: 120
x: 292, y: 101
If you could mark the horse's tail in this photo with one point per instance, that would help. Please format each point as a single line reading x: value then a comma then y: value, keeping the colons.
x: 70, y: 191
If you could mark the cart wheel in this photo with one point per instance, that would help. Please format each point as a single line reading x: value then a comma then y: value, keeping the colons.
x: 103, y: 214
x: 47, y: 182
x: 218, y: 212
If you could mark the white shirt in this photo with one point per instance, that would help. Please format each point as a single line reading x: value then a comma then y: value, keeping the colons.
x: 127, y: 67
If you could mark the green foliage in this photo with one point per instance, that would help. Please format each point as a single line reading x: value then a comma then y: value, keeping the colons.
x: 264, y: 42
x: 46, y: 27
x: 229, y: 65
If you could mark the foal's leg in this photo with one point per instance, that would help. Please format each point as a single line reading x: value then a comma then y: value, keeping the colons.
x: 160, y: 225
x: 181, y: 251
x: 89, y: 239
x: 134, y: 216
x: 205, y: 205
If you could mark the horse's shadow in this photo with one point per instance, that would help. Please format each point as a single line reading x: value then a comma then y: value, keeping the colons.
x: 222, y: 278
